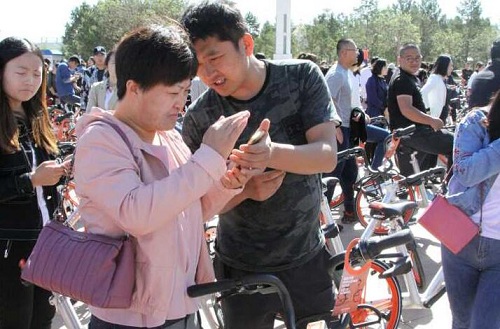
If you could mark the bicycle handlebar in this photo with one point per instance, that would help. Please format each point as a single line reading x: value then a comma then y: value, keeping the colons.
x: 371, y: 248
x: 416, y: 179
x: 350, y: 153
x: 249, y: 280
x: 400, y: 132
x: 380, y: 119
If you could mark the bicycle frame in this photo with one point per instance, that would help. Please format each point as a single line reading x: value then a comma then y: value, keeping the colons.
x: 412, y: 298
x: 66, y: 310
x: 335, y: 245
x: 424, y: 202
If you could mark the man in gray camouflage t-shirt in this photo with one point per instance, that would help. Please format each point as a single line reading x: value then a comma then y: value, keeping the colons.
x: 273, y: 225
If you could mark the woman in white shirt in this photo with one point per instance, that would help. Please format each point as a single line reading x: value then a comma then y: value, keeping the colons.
x: 434, y: 90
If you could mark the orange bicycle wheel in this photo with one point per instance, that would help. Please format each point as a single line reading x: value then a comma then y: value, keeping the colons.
x: 381, y: 303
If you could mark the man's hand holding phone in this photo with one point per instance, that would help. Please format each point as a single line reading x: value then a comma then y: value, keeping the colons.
x: 256, y: 153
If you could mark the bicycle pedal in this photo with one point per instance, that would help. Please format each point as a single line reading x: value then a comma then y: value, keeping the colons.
x: 399, y: 267
x: 331, y: 231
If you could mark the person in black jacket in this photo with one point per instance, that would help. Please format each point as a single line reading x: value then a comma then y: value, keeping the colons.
x: 487, y: 82
x: 28, y: 175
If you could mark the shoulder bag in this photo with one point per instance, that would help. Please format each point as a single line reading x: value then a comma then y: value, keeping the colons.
x: 95, y: 269
x: 449, y: 224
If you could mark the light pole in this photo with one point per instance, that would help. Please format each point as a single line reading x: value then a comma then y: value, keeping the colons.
x: 283, y: 30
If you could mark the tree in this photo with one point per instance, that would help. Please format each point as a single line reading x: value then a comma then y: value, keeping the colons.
x: 404, y: 6
x: 266, y: 41
x: 106, y: 22
x: 428, y: 17
x: 322, y: 36
x: 397, y: 29
x: 252, y: 24
x: 472, y: 25
x: 364, y: 32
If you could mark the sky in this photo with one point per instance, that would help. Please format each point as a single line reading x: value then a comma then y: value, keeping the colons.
x: 44, y: 21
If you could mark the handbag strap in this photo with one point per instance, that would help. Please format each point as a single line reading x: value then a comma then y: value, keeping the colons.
x: 121, y: 133
x: 481, y: 193
x: 59, y: 214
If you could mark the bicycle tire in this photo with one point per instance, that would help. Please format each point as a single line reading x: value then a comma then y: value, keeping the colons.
x: 417, y: 267
x: 338, y: 197
x: 390, y: 307
x: 370, y: 191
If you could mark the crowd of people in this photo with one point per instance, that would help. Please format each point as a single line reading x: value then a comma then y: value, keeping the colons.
x: 267, y: 194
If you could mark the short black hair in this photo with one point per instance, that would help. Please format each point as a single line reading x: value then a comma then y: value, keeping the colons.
x: 75, y: 59
x: 361, y: 57
x: 260, y: 56
x: 154, y: 55
x: 309, y: 56
x: 108, y: 57
x: 441, y: 65
x: 373, y: 60
x: 214, y: 19
x: 495, y: 50
x: 378, y: 65
x: 341, y: 43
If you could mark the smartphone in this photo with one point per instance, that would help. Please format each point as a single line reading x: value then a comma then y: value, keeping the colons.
x: 256, y: 137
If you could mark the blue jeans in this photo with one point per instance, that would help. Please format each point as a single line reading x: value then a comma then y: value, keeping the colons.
x: 472, y: 279
x: 346, y: 172
x: 377, y: 136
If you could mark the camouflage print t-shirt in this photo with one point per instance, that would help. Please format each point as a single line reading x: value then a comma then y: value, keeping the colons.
x: 282, y: 231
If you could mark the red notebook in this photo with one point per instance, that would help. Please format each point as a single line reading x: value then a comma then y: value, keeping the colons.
x: 448, y: 224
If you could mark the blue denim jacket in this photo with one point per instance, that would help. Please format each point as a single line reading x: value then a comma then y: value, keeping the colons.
x: 476, y: 161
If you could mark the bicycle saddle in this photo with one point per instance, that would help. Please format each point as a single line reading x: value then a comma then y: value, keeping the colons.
x: 62, y: 117
x: 391, y: 209
x: 329, y: 183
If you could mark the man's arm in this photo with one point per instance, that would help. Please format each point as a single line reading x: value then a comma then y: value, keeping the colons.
x: 413, y: 114
x: 317, y: 156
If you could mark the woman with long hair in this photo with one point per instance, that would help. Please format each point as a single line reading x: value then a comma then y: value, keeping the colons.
x: 471, y: 275
x: 28, y: 175
x: 434, y: 91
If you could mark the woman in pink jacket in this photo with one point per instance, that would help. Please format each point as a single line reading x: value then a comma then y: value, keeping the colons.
x: 157, y: 192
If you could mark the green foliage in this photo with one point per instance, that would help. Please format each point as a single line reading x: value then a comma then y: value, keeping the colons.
x: 109, y: 20
x: 381, y: 30
x: 253, y: 25
x: 266, y: 42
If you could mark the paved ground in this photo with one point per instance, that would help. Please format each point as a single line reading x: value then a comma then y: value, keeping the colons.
x: 438, y: 316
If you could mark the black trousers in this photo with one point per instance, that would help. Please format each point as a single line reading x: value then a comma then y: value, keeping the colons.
x: 310, y: 287
x: 425, y: 141
x: 21, y: 307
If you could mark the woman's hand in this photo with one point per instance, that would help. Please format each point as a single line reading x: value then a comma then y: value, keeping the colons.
x: 48, y: 173
x: 223, y: 134
x: 236, y: 177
